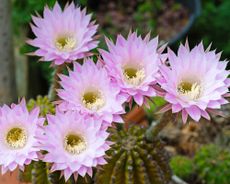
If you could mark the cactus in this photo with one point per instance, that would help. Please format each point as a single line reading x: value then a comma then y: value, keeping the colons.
x: 182, y: 166
x: 55, y: 178
x: 46, y: 107
x: 133, y: 160
x: 37, y: 171
x: 40, y: 173
x: 212, y: 164
x: 25, y: 176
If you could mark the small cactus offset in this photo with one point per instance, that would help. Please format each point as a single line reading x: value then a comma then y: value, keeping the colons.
x: 43, y: 102
x: 182, y: 166
x: 133, y: 160
x: 35, y: 172
x: 212, y: 163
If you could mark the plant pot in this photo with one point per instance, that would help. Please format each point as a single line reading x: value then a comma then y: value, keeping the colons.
x: 195, y: 9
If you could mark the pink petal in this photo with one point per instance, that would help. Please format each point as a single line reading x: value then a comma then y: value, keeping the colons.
x: 194, y: 112
x: 184, y: 116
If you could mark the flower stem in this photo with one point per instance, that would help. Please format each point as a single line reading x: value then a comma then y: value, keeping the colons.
x: 154, y: 129
x: 52, y: 95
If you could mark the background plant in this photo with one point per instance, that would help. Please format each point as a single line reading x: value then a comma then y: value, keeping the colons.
x: 212, y: 164
x: 213, y: 17
x: 182, y: 166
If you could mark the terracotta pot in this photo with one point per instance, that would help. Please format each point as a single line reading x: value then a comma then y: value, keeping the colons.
x: 9, y: 178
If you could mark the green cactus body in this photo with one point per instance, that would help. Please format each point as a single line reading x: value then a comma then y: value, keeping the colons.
x: 40, y: 173
x: 57, y: 178
x: 133, y: 160
x: 25, y: 176
x: 182, y: 166
x: 37, y: 172
x: 46, y: 107
x: 212, y: 163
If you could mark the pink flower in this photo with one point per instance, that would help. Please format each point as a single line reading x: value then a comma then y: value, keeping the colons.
x: 195, y: 83
x: 18, y: 142
x: 88, y: 89
x: 63, y: 36
x: 74, y: 144
x: 133, y: 65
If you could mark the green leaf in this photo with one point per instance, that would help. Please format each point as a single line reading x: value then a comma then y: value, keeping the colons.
x: 154, y: 104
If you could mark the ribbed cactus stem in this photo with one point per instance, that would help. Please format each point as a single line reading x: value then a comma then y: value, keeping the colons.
x: 129, y: 170
x: 154, y: 130
x: 55, y: 84
x: 133, y: 160
x: 55, y: 178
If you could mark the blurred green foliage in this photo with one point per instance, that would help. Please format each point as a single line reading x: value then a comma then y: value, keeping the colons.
x: 21, y: 17
x: 212, y: 26
x: 154, y: 103
x: 23, y: 9
x: 151, y: 8
x: 182, y: 166
x: 83, y: 2
x: 212, y: 164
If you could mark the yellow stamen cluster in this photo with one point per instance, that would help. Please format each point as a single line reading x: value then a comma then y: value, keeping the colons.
x: 134, y: 76
x: 74, y: 144
x: 16, y: 138
x: 93, y: 100
x: 190, y: 90
x: 65, y: 43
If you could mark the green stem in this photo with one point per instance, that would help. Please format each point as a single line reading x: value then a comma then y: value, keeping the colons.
x: 40, y: 173
x: 52, y: 95
x: 26, y: 175
x: 154, y: 129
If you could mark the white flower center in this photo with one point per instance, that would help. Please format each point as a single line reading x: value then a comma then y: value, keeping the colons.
x: 74, y: 144
x: 65, y: 43
x: 133, y: 76
x: 190, y: 90
x: 16, y: 138
x: 93, y: 100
